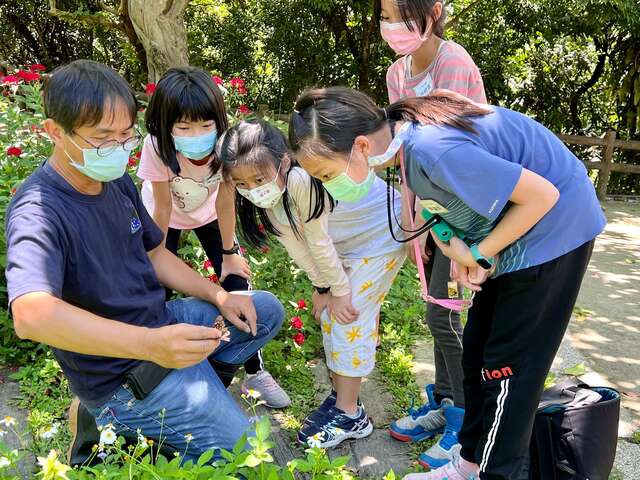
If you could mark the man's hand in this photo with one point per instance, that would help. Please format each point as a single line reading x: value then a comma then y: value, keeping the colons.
x: 235, y: 265
x: 457, y: 250
x: 238, y: 309
x: 181, y: 345
x: 341, y: 309
x: 320, y: 302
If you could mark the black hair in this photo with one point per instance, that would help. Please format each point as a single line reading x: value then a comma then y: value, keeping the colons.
x: 327, y: 121
x: 183, y: 93
x: 417, y: 11
x: 80, y: 93
x: 260, y: 145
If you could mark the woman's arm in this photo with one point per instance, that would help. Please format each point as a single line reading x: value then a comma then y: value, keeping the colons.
x: 226, y: 210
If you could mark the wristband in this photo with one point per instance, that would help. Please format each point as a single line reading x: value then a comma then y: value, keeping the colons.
x: 233, y: 250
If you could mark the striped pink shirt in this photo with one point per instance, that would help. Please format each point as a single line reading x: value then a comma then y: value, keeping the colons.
x: 453, y: 69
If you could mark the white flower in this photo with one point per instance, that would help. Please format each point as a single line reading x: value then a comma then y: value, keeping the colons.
x: 316, y: 440
x: 253, y: 394
x: 2, y: 433
x: 142, y: 442
x: 4, y: 462
x: 107, y: 436
x: 188, y: 437
x: 50, y: 432
x: 8, y: 421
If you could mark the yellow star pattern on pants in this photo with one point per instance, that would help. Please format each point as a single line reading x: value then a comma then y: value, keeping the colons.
x: 366, y: 286
x: 335, y: 356
x: 356, y: 362
x: 365, y: 261
x: 391, y: 264
x: 354, y: 334
x: 326, y: 327
x: 381, y: 298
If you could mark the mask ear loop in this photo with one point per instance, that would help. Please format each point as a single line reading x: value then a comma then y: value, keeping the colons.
x: 391, y: 204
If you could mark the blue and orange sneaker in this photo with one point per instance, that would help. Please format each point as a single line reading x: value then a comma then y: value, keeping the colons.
x: 422, y: 423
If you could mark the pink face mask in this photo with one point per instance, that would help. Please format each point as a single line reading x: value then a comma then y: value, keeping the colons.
x: 402, y: 40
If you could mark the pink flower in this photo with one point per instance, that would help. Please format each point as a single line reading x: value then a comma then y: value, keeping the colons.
x: 213, y: 278
x: 149, y: 89
x: 11, y: 80
x: 242, y: 90
x: 299, y: 338
x: 244, y: 109
x: 218, y: 80
x: 296, y: 322
x: 207, y: 264
x: 261, y: 228
x: 242, y: 250
x: 302, y: 305
x: 237, y: 82
x: 14, y: 151
x: 37, y: 67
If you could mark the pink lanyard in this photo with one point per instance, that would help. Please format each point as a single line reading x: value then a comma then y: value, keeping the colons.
x: 448, y: 303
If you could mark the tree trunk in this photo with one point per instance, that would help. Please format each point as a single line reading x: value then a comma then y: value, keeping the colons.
x: 160, y: 27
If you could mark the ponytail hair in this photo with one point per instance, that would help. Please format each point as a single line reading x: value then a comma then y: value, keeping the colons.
x: 326, y: 121
x: 259, y: 144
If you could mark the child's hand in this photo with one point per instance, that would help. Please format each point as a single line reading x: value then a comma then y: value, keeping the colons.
x: 341, y: 309
x: 320, y: 302
x: 235, y: 265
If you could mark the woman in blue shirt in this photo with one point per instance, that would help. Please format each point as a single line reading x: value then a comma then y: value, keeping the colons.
x: 527, y: 216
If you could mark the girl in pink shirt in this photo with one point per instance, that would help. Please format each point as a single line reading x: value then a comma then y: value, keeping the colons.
x: 414, y: 29
x: 185, y: 116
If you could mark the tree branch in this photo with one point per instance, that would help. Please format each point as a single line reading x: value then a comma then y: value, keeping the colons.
x: 463, y: 13
x: 598, y: 71
x: 86, y: 18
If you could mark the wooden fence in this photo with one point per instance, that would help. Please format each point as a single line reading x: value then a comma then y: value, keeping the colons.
x: 608, y: 143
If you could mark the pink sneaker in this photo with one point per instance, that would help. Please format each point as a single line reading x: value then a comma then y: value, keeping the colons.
x: 457, y: 469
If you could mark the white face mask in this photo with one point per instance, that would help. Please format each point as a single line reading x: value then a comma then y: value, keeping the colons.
x: 399, y: 138
x: 264, y: 196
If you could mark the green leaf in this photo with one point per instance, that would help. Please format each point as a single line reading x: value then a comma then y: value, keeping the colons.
x: 205, y: 457
x: 576, y: 371
x: 251, y: 461
x: 263, y: 428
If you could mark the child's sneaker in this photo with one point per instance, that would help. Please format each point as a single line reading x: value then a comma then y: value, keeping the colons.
x: 272, y: 393
x: 334, y: 427
x: 447, y: 448
x: 424, y: 423
x: 458, y: 469
x: 319, y: 413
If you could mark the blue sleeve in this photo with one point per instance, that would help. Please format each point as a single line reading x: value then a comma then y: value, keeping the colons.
x: 152, y: 236
x: 35, y: 252
x: 483, y: 181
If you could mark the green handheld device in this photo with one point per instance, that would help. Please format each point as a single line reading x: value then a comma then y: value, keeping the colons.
x: 442, y: 229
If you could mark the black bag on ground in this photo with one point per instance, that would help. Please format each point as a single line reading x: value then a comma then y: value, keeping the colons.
x: 575, y: 433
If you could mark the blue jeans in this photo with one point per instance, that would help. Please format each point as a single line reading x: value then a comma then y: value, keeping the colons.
x: 193, y: 400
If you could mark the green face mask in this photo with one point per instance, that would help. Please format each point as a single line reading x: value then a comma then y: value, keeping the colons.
x: 344, y: 188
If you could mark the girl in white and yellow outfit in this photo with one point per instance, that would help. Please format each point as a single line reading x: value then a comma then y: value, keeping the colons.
x: 345, y: 249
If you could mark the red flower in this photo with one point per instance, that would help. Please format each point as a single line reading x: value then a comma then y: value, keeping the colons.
x: 244, y: 109
x: 242, y: 90
x: 242, y: 250
x: 299, y: 338
x: 207, y: 264
x: 137, y: 154
x: 37, y: 67
x: 149, y: 89
x: 14, y: 151
x: 11, y: 80
x: 13, y: 191
x: 296, y: 322
x: 133, y: 161
x: 261, y: 228
x: 218, y: 80
x: 302, y: 304
x: 237, y: 82
x: 28, y: 77
x: 213, y: 278
x: 265, y: 249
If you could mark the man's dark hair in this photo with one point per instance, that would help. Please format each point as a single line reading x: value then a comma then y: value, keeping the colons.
x: 80, y: 93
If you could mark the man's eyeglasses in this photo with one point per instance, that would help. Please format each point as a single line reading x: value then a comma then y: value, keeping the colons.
x: 106, y: 148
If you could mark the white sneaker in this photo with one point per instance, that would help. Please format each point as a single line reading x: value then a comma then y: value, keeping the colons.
x: 270, y: 392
